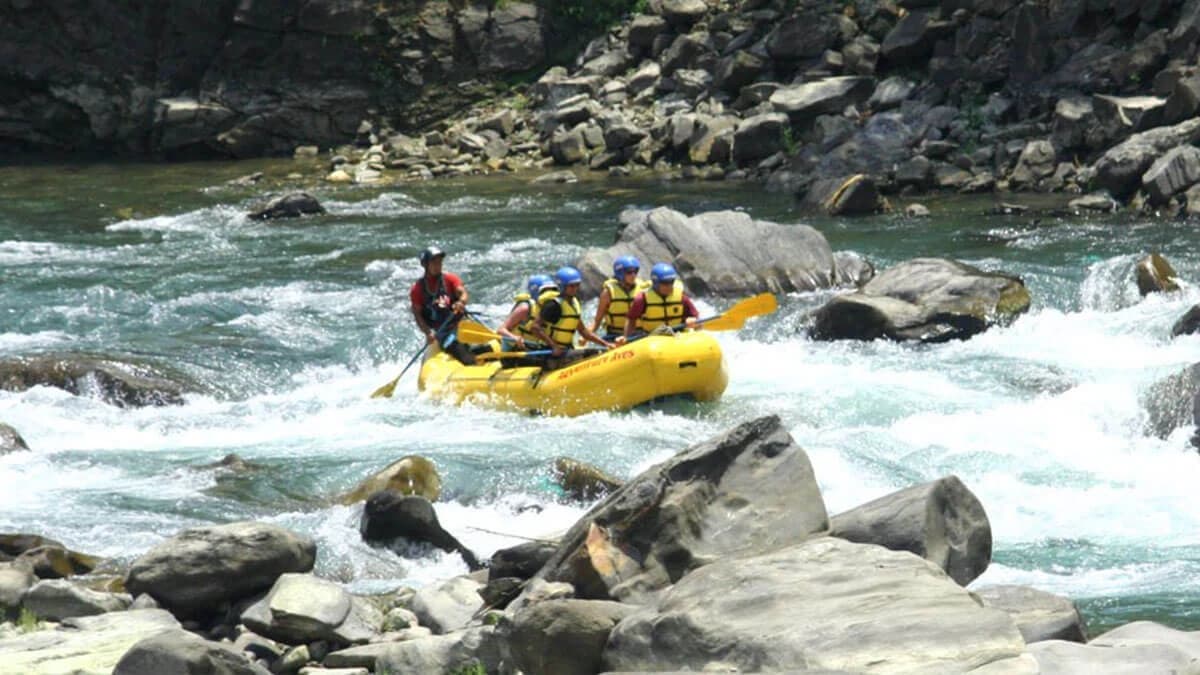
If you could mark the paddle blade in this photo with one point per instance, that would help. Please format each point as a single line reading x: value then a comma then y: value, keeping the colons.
x: 735, y: 317
x: 475, y: 333
x: 386, y: 390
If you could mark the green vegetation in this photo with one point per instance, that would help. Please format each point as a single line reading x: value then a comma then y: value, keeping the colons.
x: 582, y: 20
x: 27, y: 621
x: 789, y: 141
x: 476, y: 668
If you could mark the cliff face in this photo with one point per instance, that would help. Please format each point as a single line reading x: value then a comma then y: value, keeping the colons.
x: 244, y: 77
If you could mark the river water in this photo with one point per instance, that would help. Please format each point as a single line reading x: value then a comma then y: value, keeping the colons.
x: 287, y: 328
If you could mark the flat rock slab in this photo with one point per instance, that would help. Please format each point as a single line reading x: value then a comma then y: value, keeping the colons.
x: 825, y: 603
x: 86, y: 646
x: 1039, y: 615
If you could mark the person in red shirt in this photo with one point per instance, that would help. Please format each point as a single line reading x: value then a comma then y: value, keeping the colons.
x: 439, y: 300
x: 663, y: 304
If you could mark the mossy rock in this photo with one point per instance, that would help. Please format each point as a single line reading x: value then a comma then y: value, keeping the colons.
x: 581, y: 481
x: 411, y: 475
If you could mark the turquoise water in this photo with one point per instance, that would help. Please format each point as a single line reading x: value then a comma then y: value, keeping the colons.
x: 287, y: 327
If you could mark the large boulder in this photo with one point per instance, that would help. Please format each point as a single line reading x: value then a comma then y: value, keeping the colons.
x: 465, y: 651
x: 1037, y: 161
x: 14, y: 582
x: 804, y: 102
x: 723, y: 253
x: 301, y: 608
x: 1120, y: 169
x: 1139, y: 647
x: 941, y: 521
x: 93, y: 644
x: 802, y: 36
x: 562, y: 637
x: 1173, y: 402
x: 1187, y: 324
x: 759, y: 137
x: 1171, y: 174
x: 749, y: 489
x: 857, y: 195
x: 411, y: 475
x: 389, y: 516
x: 58, y: 599
x: 200, y: 570
x: 925, y: 299
x: 822, y: 604
x: 1039, y: 615
x: 10, y: 440
x: 118, y: 382
x: 513, y: 41
x: 178, y: 651
x: 57, y: 562
x: 448, y: 606
x: 291, y: 205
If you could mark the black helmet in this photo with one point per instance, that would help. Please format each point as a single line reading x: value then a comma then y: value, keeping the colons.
x: 431, y: 253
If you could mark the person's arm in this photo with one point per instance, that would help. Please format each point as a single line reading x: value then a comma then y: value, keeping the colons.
x: 691, y: 313
x: 548, y: 313
x: 636, y: 309
x: 601, y: 308
x: 459, y: 290
x: 519, y: 314
x: 414, y: 297
x: 593, y: 338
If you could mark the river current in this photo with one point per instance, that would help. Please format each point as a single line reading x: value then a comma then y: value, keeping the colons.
x: 288, y: 327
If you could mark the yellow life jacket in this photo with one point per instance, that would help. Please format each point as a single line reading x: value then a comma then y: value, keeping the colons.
x: 619, y: 301
x: 525, y: 328
x: 662, y: 311
x: 562, y: 332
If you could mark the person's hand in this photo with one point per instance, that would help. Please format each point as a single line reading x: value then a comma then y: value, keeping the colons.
x: 620, y: 340
x: 459, y: 307
x: 690, y: 323
x: 557, y: 350
x: 606, y: 344
x: 431, y: 336
x: 520, y: 343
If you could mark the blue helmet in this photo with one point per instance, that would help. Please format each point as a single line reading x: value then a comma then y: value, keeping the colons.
x: 537, y: 282
x: 565, y: 276
x: 625, y: 262
x: 663, y: 272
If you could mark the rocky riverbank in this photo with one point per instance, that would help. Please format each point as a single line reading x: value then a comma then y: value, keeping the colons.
x: 839, y: 103
x: 632, y: 587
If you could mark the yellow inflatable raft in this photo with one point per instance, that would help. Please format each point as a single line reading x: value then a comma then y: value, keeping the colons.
x: 652, y: 367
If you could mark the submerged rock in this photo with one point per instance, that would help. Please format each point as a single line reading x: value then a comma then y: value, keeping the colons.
x: 411, y: 475
x: 582, y: 481
x: 1155, y: 275
x: 1173, y: 402
x: 925, y: 299
x: 114, y: 381
x: 389, y: 516
x: 1187, y: 324
x: 291, y: 205
x: 10, y: 440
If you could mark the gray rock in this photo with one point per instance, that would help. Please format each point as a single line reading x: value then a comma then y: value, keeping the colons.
x: 291, y: 205
x: 831, y: 95
x: 891, y: 92
x: 686, y: 51
x: 10, y: 440
x: 1155, y: 275
x: 200, y: 569
x: 563, y: 637
x: 1188, y: 324
x: 942, y: 521
x: 759, y: 137
x: 749, y: 489
x: 691, y: 83
x: 513, y: 42
x: 521, y: 561
x: 608, y: 64
x: 645, y: 77
x: 59, y: 599
x: 56, y: 562
x: 737, y: 70
x: 1184, y: 100
x: 361, y: 656
x: 1139, y: 647
x: 118, y: 382
x: 643, y: 29
x: 443, y: 653
x: 682, y: 13
x: 556, y: 177
x: 1174, y: 172
x: 1039, y: 615
x: 865, y: 610
x: 92, y: 644
x: 712, y: 139
x: 1173, y: 402
x: 389, y: 515
x: 622, y: 135
x: 912, y: 38
x: 1122, y: 115
x: 1097, y: 201
x: 925, y: 299
x: 1120, y: 169
x: 917, y: 211
x: 178, y: 651
x: 300, y: 608
x: 723, y: 253
x: 569, y: 147
x: 803, y: 36
x: 1037, y: 161
x: 182, y: 122
x: 14, y: 581
x: 916, y: 172
x: 448, y: 606
x: 857, y: 195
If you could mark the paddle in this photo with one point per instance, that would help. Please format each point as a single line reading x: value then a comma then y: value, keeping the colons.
x: 735, y: 317
x: 388, y: 389
x: 474, y: 333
